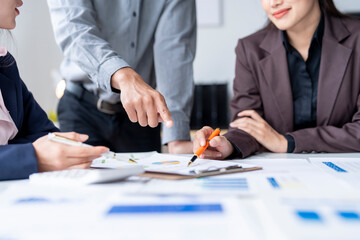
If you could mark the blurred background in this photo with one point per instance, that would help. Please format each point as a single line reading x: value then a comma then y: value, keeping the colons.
x: 220, y: 24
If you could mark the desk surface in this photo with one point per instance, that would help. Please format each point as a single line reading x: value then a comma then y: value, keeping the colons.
x: 296, y: 196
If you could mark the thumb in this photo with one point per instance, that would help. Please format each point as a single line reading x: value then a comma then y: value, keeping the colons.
x: 216, y: 141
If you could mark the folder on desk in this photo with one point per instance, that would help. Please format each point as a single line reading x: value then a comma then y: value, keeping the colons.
x: 174, y: 167
x: 235, y: 168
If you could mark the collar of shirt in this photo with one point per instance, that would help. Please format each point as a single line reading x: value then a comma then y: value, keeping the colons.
x: 318, y: 36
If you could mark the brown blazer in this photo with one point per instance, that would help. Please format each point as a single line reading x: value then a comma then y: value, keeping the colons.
x: 262, y: 83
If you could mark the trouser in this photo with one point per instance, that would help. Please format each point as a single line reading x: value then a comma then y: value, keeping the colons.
x: 114, y: 131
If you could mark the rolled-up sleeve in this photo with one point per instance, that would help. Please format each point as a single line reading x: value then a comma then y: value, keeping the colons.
x: 79, y: 37
x: 174, y: 52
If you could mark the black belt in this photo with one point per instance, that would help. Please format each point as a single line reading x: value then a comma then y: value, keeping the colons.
x: 103, y: 106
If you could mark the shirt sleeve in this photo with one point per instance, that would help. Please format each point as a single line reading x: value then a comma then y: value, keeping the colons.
x: 174, y: 52
x: 79, y: 37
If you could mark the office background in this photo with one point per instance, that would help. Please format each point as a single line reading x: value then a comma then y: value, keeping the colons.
x: 39, y: 57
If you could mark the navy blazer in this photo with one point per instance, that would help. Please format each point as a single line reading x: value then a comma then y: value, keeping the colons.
x: 18, y: 159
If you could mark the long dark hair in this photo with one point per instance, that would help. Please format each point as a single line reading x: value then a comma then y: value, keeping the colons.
x: 326, y: 6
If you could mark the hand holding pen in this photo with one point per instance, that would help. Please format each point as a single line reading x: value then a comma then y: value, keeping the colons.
x: 52, y: 156
x: 203, y: 147
x: 219, y: 147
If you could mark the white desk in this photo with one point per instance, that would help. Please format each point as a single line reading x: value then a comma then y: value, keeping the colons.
x: 292, y: 198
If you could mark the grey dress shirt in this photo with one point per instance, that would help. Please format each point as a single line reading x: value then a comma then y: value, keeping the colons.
x: 157, y: 38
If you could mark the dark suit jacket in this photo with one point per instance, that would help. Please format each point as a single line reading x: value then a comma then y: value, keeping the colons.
x: 18, y: 159
x: 262, y: 83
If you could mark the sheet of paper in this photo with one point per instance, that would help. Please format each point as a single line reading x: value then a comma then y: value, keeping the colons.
x: 166, y: 163
x: 337, y: 165
x: 169, y: 163
x: 309, y: 217
x: 346, y: 169
x: 280, y: 165
x: 40, y: 212
x: 217, y: 185
x: 120, y: 160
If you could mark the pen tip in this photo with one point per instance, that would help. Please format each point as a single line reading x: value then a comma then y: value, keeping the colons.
x: 192, y: 160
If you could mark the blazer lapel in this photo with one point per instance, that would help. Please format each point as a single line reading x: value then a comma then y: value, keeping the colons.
x: 334, y: 61
x: 276, y: 73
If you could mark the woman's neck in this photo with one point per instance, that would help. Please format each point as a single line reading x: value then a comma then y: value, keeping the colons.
x: 301, y: 34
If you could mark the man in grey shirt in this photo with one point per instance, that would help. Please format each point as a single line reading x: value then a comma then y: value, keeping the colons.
x: 132, y: 47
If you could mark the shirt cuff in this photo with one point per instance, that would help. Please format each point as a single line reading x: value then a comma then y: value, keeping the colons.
x: 179, y: 131
x: 291, y: 143
x: 107, y: 69
x: 236, y: 153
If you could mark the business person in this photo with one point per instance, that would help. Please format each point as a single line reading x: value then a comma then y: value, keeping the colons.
x: 23, y: 147
x: 130, y: 47
x: 297, y: 84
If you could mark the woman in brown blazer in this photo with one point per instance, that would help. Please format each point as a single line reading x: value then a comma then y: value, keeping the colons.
x: 297, y: 84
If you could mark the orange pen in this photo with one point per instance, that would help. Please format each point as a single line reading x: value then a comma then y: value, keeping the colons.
x: 215, y: 133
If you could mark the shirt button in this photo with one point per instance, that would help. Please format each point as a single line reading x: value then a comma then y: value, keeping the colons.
x: 132, y: 44
x: 134, y: 14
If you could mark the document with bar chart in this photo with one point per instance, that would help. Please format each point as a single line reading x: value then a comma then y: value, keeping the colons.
x: 338, y: 165
x: 346, y: 169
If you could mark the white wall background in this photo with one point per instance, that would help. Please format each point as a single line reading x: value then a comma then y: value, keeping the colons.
x: 38, y: 55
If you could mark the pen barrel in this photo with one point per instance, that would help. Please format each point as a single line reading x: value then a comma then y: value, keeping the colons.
x: 215, y: 133
x: 202, y: 149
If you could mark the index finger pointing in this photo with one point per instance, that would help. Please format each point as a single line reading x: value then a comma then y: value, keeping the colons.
x: 164, y: 112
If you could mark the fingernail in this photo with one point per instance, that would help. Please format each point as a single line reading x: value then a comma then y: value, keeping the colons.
x: 219, y: 155
x: 83, y: 137
x: 168, y: 124
x: 231, y: 125
x: 105, y: 150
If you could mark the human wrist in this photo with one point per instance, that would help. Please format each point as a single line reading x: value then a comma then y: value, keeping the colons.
x: 119, y: 77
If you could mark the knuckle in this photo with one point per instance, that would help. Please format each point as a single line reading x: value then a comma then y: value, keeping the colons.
x: 137, y: 101
x: 126, y: 104
x: 158, y: 95
x: 147, y: 100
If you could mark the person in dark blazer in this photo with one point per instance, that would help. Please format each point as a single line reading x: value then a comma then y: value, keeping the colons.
x: 23, y: 147
x: 297, y: 84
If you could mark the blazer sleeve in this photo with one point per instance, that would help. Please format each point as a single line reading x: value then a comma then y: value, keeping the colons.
x: 17, y: 161
x: 246, y: 96
x: 330, y: 138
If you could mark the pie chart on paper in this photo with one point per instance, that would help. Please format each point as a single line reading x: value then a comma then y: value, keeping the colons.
x: 166, y: 163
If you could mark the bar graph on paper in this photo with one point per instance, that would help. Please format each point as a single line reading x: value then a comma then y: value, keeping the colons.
x: 338, y: 165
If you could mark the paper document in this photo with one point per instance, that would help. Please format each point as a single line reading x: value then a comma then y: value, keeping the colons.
x: 120, y: 160
x: 339, y: 165
x: 166, y: 163
x: 346, y: 169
